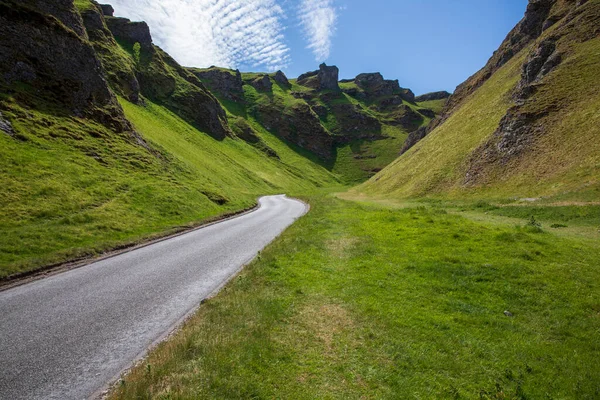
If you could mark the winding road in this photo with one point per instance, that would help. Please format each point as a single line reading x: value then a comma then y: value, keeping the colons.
x: 69, y: 335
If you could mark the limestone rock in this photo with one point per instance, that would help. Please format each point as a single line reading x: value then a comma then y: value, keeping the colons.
x: 226, y: 83
x: 432, y: 96
x: 427, y: 112
x: 262, y: 83
x: 326, y: 78
x: 163, y: 80
x: 120, y: 70
x: 320, y: 110
x: 413, y: 138
x: 6, y: 126
x: 375, y: 86
x: 298, y: 125
x: 405, y: 117
x: 130, y: 32
x: 56, y: 61
x: 63, y: 10
x: 281, y: 79
x: 354, y: 123
x: 107, y: 10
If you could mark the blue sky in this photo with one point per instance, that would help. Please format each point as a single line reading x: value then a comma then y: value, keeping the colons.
x: 427, y: 45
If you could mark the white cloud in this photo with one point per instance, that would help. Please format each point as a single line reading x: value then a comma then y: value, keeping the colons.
x: 226, y: 33
x: 318, y: 19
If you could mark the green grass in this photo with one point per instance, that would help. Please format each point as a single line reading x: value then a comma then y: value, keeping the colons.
x: 435, y: 164
x: 575, y: 215
x: 82, y: 5
x: 72, y: 189
x: 358, y: 161
x: 435, y: 105
x: 365, y: 301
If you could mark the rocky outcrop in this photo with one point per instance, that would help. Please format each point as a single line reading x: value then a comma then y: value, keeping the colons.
x: 282, y: 80
x: 354, y: 123
x: 63, y: 10
x: 107, y: 10
x: 544, y: 59
x: 432, y: 96
x: 413, y: 138
x: 129, y: 32
x: 326, y: 78
x: 54, y: 59
x: 227, y: 84
x: 405, y: 117
x: 375, y: 86
x: 262, y: 83
x: 426, y: 112
x: 6, y: 126
x: 320, y: 110
x: 300, y: 126
x: 389, y: 104
x: 189, y: 98
x: 163, y: 80
x: 120, y: 69
x: 244, y: 131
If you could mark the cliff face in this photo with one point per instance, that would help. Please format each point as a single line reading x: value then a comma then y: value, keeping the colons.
x: 163, y: 80
x: 319, y: 112
x: 120, y: 69
x: 227, y: 83
x: 44, y: 54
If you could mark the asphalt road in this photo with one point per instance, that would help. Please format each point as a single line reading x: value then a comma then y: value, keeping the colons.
x: 67, y: 336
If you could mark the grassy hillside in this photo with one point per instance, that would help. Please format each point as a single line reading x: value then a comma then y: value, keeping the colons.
x: 367, y: 301
x: 73, y: 188
x: 436, y: 164
x: 560, y: 155
x: 324, y: 125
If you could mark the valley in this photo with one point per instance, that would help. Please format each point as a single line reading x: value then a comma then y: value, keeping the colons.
x: 451, y: 250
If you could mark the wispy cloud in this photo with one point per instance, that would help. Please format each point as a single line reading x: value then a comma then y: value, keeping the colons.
x: 227, y: 33
x: 318, y: 19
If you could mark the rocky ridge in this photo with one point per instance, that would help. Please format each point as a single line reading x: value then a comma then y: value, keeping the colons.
x: 523, y: 123
x: 54, y: 59
x: 101, y: 56
x: 433, y: 96
x: 317, y: 111
x: 540, y: 16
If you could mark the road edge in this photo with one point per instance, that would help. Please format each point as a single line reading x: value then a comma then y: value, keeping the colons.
x: 23, y: 278
x: 103, y: 392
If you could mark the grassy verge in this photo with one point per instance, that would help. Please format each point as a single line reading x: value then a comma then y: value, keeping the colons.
x: 364, y: 301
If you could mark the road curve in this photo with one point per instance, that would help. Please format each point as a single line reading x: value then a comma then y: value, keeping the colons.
x: 67, y: 336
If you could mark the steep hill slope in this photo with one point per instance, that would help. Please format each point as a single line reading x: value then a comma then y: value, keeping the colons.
x: 526, y: 125
x: 80, y: 173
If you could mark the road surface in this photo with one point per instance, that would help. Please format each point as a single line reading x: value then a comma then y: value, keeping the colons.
x: 67, y: 336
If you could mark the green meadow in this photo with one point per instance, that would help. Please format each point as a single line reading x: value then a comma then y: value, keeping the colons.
x: 361, y: 299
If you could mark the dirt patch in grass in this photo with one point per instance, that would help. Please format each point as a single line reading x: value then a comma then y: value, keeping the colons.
x: 341, y: 247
